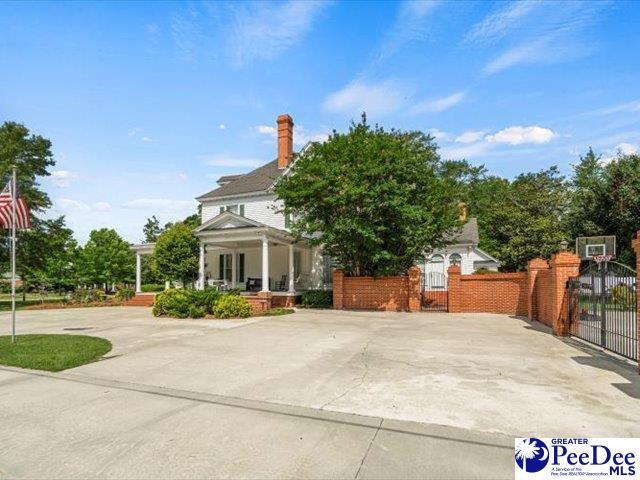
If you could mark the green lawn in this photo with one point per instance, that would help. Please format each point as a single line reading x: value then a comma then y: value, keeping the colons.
x: 32, y: 299
x: 51, y: 352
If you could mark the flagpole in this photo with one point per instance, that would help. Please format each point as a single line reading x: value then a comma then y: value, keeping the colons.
x: 13, y: 256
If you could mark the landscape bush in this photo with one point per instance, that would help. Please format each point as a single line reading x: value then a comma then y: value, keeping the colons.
x: 125, y: 294
x: 151, y: 287
x: 87, y: 295
x: 185, y: 303
x: 205, y: 299
x: 623, y: 296
x: 317, y: 299
x: 232, y: 306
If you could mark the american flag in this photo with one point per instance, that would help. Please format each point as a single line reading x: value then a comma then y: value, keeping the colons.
x: 23, y: 220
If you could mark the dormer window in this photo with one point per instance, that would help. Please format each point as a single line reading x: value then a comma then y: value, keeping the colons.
x: 237, y: 209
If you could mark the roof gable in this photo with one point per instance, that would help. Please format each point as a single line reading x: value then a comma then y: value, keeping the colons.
x: 227, y: 220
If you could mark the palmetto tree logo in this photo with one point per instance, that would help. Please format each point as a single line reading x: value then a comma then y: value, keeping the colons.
x: 532, y: 454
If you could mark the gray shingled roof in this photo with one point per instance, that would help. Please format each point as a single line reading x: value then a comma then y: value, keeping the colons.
x: 228, y: 178
x: 468, y: 233
x: 257, y: 180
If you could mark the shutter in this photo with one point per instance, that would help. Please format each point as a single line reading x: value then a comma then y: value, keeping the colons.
x: 287, y: 220
x: 241, y: 210
x: 221, y: 209
x: 221, y: 268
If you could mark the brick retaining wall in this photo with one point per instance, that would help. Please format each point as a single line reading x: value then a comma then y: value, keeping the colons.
x: 400, y: 293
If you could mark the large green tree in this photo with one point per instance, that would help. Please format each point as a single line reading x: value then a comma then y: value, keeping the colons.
x: 529, y: 218
x: 176, y: 254
x: 375, y: 199
x: 106, y: 259
x: 46, y: 259
x: 32, y: 156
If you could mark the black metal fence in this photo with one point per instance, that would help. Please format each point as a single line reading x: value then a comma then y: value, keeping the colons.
x: 602, y: 307
x: 434, y: 291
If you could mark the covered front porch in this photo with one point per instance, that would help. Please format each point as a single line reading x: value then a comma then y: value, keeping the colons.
x: 239, y: 253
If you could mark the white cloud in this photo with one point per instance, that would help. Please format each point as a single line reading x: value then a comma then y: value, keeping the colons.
x: 63, y: 178
x: 497, y: 24
x: 67, y: 205
x: 161, y: 205
x: 264, y: 30
x: 183, y: 177
x: 470, y: 136
x: 518, y: 135
x: 373, y: 98
x: 101, y: 206
x: 267, y: 130
x: 438, y: 134
x: 230, y: 161
x: 410, y: 25
x: 627, y: 148
x: 147, y: 139
x: 529, y: 52
x: 222, y: 126
x: 300, y: 134
x: 467, y: 151
x: 629, y: 107
x: 439, y: 104
x: 553, y: 32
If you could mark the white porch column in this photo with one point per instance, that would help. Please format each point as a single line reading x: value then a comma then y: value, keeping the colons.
x: 201, y: 268
x: 138, y: 273
x: 234, y: 275
x: 265, y: 264
x: 167, y: 285
x: 292, y: 284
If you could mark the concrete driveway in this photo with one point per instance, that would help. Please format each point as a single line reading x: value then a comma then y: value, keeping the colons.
x: 316, y: 394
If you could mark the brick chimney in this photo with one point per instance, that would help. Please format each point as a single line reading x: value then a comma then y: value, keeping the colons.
x: 462, y: 209
x: 285, y: 141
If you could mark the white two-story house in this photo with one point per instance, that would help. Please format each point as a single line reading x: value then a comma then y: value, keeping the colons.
x: 245, y: 241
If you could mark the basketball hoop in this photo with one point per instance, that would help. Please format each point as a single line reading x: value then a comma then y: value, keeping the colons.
x: 601, y: 259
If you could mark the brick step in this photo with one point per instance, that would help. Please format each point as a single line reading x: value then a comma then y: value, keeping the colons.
x: 140, y: 301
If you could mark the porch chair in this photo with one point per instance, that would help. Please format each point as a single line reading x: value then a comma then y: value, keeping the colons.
x: 282, y: 284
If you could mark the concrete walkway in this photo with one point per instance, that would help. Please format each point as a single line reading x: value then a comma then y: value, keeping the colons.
x: 316, y: 394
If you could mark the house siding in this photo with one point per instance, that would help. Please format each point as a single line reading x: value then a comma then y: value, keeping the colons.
x: 261, y: 208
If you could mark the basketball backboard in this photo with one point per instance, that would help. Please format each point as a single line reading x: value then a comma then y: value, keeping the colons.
x: 589, y: 247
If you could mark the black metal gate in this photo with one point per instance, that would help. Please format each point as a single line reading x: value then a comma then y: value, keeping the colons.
x: 602, y: 307
x: 434, y: 291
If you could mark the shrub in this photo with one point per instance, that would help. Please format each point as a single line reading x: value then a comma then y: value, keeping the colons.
x: 317, y: 299
x: 232, y: 306
x: 152, y: 287
x: 173, y: 303
x: 87, y: 295
x: 482, y: 271
x: 196, y: 312
x: 205, y: 299
x: 125, y: 294
x: 623, y: 296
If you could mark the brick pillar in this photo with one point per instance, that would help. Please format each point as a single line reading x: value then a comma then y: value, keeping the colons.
x: 266, y: 300
x: 338, y: 276
x: 414, y: 289
x: 636, y: 247
x: 454, y: 289
x: 563, y: 266
x: 533, y: 267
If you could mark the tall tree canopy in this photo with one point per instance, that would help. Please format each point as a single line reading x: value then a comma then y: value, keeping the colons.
x: 106, y: 258
x: 31, y: 154
x: 375, y: 199
x: 176, y: 254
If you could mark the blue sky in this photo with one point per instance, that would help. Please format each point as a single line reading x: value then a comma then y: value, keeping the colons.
x: 148, y: 103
